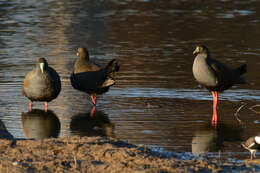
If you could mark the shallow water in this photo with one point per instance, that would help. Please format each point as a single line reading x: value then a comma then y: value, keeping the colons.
x: 156, y: 100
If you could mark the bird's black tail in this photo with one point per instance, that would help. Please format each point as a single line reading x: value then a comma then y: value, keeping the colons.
x: 112, y: 67
x: 110, y: 70
x: 242, y: 69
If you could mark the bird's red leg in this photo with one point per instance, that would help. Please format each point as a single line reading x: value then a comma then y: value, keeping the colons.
x: 30, y: 105
x: 46, y: 106
x: 92, y: 113
x: 93, y: 99
x: 215, y: 105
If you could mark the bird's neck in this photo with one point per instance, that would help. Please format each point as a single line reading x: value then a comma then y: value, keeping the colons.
x: 204, y: 55
x: 83, y: 59
x: 84, y: 56
x: 38, y: 68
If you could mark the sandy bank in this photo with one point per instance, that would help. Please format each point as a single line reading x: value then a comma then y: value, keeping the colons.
x: 98, y: 154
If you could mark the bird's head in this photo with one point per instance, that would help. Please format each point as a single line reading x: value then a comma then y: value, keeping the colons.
x: 200, y: 49
x: 82, y: 52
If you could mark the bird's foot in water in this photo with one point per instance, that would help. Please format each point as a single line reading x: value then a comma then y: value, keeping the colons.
x: 214, y: 120
x: 214, y: 124
x: 46, y: 106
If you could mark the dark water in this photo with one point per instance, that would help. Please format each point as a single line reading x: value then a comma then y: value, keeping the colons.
x: 156, y: 100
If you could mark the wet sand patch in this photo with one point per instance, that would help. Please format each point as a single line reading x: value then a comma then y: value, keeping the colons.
x: 99, y: 154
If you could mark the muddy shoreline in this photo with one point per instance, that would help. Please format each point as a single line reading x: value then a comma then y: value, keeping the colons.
x: 100, y: 154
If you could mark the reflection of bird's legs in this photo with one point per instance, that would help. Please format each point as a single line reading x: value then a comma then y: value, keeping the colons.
x: 254, y: 154
x: 215, y: 104
x: 219, y: 155
x: 46, y: 106
x: 93, y: 98
x: 30, y: 105
x: 92, y: 113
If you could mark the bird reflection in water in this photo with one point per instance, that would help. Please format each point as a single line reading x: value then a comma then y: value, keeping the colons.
x: 38, y: 124
x: 92, y: 112
x: 211, y: 139
x: 4, y: 134
x: 86, y: 124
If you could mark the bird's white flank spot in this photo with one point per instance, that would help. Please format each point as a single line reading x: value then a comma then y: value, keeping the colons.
x: 257, y: 139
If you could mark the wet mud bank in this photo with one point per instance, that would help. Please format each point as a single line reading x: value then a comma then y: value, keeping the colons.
x: 100, y: 154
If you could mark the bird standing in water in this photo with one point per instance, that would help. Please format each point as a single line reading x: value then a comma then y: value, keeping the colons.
x: 41, y: 84
x: 214, y: 75
x: 91, y: 78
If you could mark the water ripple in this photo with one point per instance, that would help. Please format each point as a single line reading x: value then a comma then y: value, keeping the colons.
x: 191, y: 94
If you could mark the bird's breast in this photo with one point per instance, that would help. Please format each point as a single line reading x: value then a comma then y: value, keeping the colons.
x: 203, y: 73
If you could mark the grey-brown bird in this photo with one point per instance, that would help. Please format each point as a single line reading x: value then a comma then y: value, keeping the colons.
x: 214, y: 75
x: 253, y: 145
x: 41, y: 84
x: 91, y: 78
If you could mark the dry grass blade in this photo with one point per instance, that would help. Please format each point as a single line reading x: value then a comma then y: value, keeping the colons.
x: 236, y: 113
x: 252, y: 109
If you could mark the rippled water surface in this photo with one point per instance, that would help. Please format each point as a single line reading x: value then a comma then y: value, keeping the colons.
x: 156, y: 100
